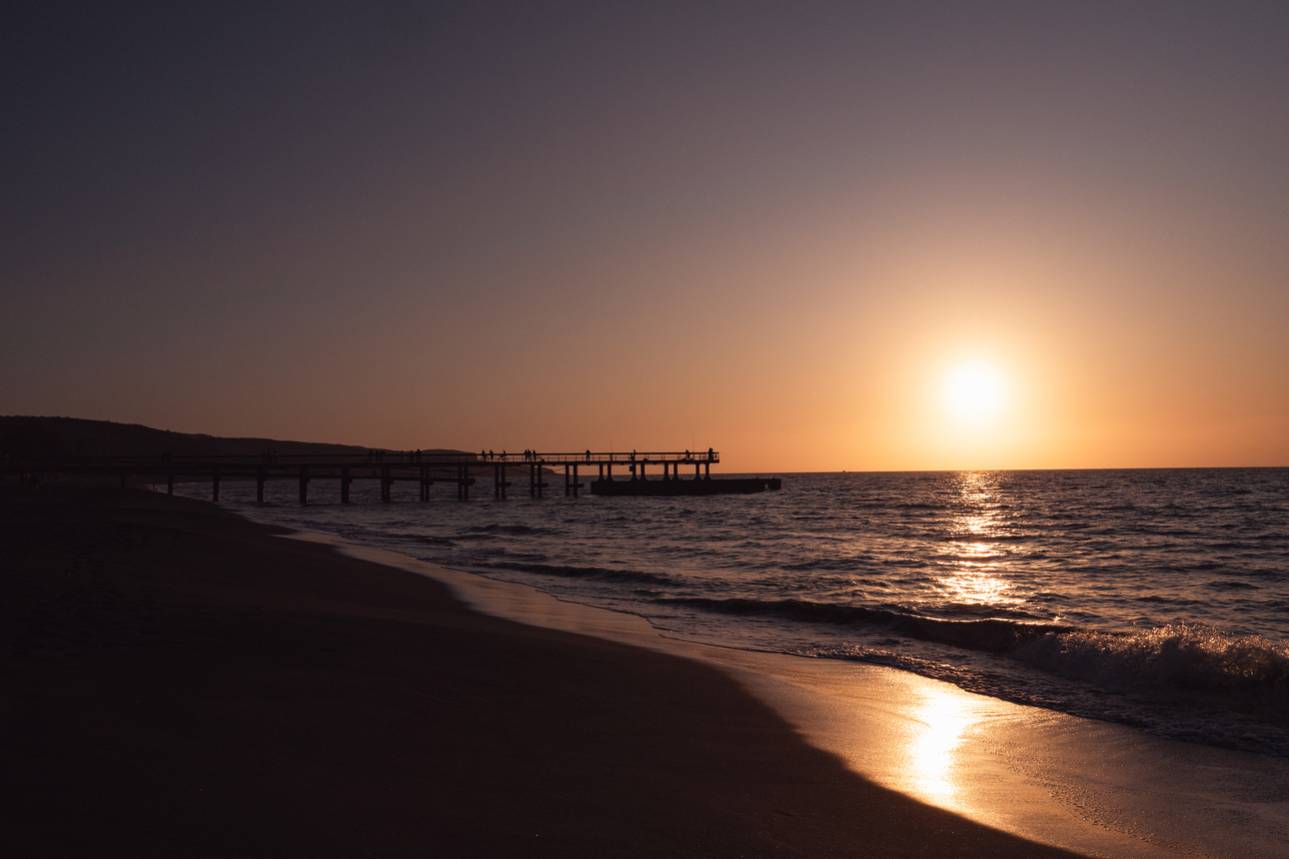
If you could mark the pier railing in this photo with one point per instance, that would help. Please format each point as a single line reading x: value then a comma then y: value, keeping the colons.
x: 386, y: 457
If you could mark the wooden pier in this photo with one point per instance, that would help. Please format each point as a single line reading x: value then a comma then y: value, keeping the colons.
x: 670, y: 469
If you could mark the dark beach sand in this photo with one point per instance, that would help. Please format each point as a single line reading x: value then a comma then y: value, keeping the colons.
x: 179, y: 682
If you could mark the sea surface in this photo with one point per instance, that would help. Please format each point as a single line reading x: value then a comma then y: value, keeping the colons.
x: 1156, y: 598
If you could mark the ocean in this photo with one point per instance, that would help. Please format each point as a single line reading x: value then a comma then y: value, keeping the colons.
x: 1155, y: 598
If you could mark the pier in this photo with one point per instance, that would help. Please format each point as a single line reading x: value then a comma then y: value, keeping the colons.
x: 615, y: 472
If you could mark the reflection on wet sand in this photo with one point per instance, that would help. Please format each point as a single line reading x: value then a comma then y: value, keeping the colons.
x: 940, y: 721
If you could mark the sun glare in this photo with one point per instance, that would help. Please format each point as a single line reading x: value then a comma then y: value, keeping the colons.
x: 974, y: 392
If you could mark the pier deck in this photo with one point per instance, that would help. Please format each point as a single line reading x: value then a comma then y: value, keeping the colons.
x: 425, y: 469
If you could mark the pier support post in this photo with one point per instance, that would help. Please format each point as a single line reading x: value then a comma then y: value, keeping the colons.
x: 642, y: 469
x: 707, y: 471
x: 304, y: 485
x: 568, y: 488
x: 464, y: 471
x: 577, y: 484
x: 696, y: 471
x: 608, y: 471
x: 344, y: 485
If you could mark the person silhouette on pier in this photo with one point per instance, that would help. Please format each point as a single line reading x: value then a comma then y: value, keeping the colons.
x: 588, y: 455
x: 711, y: 455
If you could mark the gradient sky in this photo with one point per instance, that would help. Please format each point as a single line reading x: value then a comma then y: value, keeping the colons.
x: 769, y: 227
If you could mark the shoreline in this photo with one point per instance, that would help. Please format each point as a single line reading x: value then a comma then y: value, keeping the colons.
x: 185, y: 682
x: 1093, y: 787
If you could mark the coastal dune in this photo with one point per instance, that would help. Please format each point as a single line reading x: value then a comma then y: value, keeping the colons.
x: 185, y: 682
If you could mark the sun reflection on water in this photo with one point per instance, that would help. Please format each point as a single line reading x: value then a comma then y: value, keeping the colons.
x: 976, y: 574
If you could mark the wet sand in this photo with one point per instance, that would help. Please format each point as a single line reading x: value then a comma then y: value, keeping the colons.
x: 184, y: 682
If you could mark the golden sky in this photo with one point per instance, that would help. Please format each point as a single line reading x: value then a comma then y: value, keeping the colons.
x: 778, y: 232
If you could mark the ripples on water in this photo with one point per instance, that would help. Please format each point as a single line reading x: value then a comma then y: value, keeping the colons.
x: 1157, y: 598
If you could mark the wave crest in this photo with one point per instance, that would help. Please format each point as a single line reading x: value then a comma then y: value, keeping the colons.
x: 994, y: 635
x: 1181, y: 657
x: 572, y: 572
x: 511, y: 529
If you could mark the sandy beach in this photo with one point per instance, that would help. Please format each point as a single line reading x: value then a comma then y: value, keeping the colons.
x: 184, y: 682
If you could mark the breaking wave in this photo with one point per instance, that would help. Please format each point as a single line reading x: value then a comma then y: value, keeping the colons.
x: 1172, y: 660
x: 1176, y: 658
x: 989, y: 634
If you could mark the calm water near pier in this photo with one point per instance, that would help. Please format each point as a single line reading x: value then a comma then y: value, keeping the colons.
x: 1155, y: 598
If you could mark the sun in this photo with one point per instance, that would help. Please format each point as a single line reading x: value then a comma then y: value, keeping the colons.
x: 974, y: 392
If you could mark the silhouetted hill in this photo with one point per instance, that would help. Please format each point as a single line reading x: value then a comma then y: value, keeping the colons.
x: 56, y: 436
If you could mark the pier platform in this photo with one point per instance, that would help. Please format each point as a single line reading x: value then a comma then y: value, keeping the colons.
x: 708, y: 486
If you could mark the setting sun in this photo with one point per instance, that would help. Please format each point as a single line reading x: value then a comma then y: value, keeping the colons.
x: 974, y: 392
